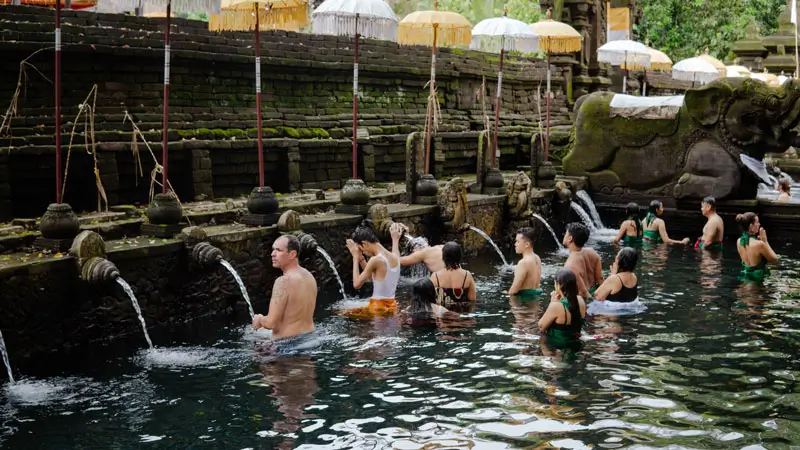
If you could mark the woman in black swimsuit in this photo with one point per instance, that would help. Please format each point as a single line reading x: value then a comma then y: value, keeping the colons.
x: 622, y: 285
x: 455, y: 287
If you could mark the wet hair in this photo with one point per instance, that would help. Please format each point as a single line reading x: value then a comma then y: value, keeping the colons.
x: 654, y: 205
x: 528, y: 234
x: 579, y: 233
x: 451, y: 255
x: 785, y: 185
x: 711, y: 201
x: 424, y: 294
x: 568, y: 283
x: 632, y: 209
x: 652, y: 212
x: 626, y: 260
x: 364, y: 233
x: 292, y: 243
x: 745, y: 220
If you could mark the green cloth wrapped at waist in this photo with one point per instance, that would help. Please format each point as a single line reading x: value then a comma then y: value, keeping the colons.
x: 526, y: 294
x: 631, y: 239
x: 755, y: 273
x: 702, y: 245
x: 594, y: 289
x: 652, y: 237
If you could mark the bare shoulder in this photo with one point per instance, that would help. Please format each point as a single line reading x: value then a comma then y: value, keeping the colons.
x: 591, y: 253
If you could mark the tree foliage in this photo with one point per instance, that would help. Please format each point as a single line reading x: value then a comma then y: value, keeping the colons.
x: 681, y: 28
x: 527, y: 11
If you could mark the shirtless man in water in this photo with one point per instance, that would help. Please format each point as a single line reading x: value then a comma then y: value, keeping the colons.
x: 528, y: 272
x: 584, y: 262
x: 714, y: 228
x: 431, y: 256
x: 294, y: 297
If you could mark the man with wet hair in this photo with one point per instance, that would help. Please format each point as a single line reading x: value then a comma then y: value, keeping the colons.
x: 714, y: 229
x: 294, y: 297
x: 584, y: 262
x: 528, y: 271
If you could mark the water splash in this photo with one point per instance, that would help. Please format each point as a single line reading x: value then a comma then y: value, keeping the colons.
x: 129, y: 291
x: 5, y: 358
x: 587, y: 200
x: 585, y: 218
x: 486, y: 236
x: 242, y: 287
x: 550, y: 229
x: 418, y: 270
x: 333, y: 267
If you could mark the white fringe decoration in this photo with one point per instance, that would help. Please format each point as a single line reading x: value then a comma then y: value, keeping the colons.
x: 344, y: 25
x: 178, y: 6
x: 492, y: 44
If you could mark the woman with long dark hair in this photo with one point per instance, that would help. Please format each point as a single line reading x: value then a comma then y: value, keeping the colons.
x: 423, y: 309
x: 563, y: 319
x: 754, y: 249
x: 455, y: 287
x: 630, y: 230
x: 622, y: 285
x: 655, y: 230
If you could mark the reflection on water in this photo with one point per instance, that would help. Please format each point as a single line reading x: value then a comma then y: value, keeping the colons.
x: 710, y: 364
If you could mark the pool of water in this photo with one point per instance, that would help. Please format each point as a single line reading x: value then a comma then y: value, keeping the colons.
x: 711, y: 364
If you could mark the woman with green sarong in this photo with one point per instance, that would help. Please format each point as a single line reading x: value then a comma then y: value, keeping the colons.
x: 655, y: 230
x: 562, y: 321
x: 630, y: 231
x: 754, y: 249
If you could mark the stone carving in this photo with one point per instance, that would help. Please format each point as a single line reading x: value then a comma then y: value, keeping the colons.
x: 381, y: 222
x: 519, y: 196
x: 693, y: 155
x: 453, y: 207
x: 289, y: 221
x: 89, y: 251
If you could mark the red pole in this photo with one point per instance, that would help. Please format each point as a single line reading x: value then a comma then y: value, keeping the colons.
x: 430, y: 116
x: 355, y: 107
x: 58, y: 101
x: 258, y: 102
x: 497, y: 105
x: 547, y: 124
x: 165, y: 138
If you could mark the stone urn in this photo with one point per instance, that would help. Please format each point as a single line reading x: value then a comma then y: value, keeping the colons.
x: 355, y: 192
x: 262, y: 200
x: 546, y: 175
x: 164, y: 210
x: 493, y: 179
x: 426, y: 186
x: 59, y: 222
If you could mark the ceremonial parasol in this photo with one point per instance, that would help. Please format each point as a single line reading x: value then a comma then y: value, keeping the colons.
x: 695, y: 69
x: 629, y: 55
x: 433, y: 28
x: 373, y: 19
x: 766, y: 77
x: 260, y: 15
x: 719, y: 65
x: 554, y: 37
x: 502, y: 34
x: 659, y: 61
x: 737, y: 71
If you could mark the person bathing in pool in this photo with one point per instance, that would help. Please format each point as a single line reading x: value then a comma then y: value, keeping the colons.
x: 655, y: 230
x: 714, y: 229
x: 528, y: 272
x: 431, y: 256
x: 630, y: 231
x: 563, y: 318
x: 785, y: 189
x: 622, y: 285
x: 383, y: 269
x: 754, y: 249
x: 455, y: 287
x: 584, y: 262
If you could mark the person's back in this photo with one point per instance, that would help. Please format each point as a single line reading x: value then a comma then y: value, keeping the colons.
x: 754, y: 248
x: 593, y: 274
x: 455, y: 286
x: 432, y: 257
x: 298, y: 316
x: 574, y: 239
x: 563, y: 319
x: 630, y: 230
x: 714, y: 229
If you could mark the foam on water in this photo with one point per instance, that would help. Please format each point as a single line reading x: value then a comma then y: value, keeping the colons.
x: 179, y: 357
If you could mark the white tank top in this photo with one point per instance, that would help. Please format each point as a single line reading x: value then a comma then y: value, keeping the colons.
x: 386, y: 289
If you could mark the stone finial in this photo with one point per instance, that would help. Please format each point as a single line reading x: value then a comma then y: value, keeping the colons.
x: 88, y: 244
x: 193, y: 235
x: 289, y: 221
x: 752, y: 31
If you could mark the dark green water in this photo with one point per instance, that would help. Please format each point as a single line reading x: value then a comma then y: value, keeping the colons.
x: 711, y: 364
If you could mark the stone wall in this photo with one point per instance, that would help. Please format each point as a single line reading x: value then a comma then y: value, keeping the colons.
x: 307, y: 96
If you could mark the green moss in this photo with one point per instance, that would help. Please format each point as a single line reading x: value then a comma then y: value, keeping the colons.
x: 289, y: 132
x: 204, y: 133
x: 456, y: 51
x: 219, y: 134
x: 319, y: 133
x: 186, y: 134
x: 305, y: 133
x: 237, y: 133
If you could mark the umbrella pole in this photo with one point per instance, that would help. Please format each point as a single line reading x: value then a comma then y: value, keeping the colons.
x: 547, y: 123
x: 625, y: 82
x: 355, y: 105
x: 430, y: 112
x: 644, y: 87
x: 259, y: 119
x: 497, y: 105
x: 164, y: 136
x: 57, y: 83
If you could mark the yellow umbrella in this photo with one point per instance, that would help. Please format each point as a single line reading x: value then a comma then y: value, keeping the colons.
x: 260, y: 15
x: 719, y: 65
x: 658, y: 61
x: 433, y: 28
x: 554, y: 37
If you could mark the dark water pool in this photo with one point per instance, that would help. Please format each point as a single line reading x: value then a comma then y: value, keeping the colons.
x: 711, y: 364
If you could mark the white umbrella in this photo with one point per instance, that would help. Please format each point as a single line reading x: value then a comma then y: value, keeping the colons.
x: 695, y: 69
x: 627, y: 54
x: 737, y: 71
x: 501, y: 34
x: 369, y: 18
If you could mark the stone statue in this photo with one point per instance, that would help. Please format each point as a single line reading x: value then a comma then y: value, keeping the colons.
x: 453, y: 207
x: 692, y: 155
x: 519, y: 195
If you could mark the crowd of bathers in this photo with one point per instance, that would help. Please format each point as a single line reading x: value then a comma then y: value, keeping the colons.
x: 450, y: 289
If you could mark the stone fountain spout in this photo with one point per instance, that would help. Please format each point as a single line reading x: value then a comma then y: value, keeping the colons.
x: 203, y: 252
x: 453, y: 207
x: 89, y: 251
x: 381, y: 222
x: 289, y: 223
